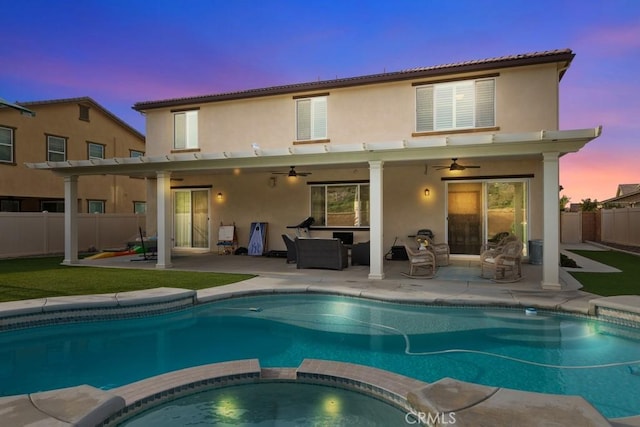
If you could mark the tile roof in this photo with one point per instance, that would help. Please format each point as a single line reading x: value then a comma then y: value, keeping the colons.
x: 558, y: 55
x: 84, y: 100
x: 624, y: 189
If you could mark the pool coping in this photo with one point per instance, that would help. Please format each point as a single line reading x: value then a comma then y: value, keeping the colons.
x: 458, y: 402
x: 621, y: 309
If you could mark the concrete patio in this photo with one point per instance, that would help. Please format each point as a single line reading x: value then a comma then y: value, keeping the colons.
x: 460, y: 282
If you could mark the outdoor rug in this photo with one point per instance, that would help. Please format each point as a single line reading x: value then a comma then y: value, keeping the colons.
x: 460, y: 273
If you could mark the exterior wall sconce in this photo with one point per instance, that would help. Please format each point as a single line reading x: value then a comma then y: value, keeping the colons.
x: 427, y: 192
x: 219, y: 196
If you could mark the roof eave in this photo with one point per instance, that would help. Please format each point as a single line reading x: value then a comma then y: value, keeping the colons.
x: 563, y: 57
x: 527, y: 143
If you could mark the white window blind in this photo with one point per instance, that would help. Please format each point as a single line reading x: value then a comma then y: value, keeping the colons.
x: 456, y: 105
x: 185, y: 130
x: 424, y: 108
x: 6, y: 145
x: 96, y: 151
x: 485, y: 103
x: 56, y: 149
x: 311, y: 118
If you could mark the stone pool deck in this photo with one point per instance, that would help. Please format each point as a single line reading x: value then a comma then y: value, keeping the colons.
x: 88, y: 406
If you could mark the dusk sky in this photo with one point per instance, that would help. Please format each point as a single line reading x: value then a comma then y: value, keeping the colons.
x: 120, y: 52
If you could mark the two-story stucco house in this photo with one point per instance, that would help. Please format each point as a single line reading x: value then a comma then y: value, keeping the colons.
x: 64, y: 130
x: 384, y: 155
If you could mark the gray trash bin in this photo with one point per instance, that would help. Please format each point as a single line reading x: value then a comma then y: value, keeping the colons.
x: 535, y: 251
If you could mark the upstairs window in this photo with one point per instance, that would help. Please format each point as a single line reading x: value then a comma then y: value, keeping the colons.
x: 6, y: 145
x: 95, y: 151
x: 185, y: 130
x: 311, y: 118
x: 56, y: 148
x: 136, y: 153
x: 455, y: 105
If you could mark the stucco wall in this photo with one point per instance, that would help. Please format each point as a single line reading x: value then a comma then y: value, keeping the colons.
x: 526, y: 100
x: 61, y: 119
x: 248, y: 197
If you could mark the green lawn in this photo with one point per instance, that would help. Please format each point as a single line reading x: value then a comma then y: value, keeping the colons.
x: 27, y: 278
x: 608, y: 284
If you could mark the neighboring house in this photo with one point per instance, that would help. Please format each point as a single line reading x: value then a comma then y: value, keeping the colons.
x: 64, y: 130
x: 626, y: 195
x: 380, y: 151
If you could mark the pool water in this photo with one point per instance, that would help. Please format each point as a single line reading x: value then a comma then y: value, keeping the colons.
x: 548, y: 353
x: 270, y: 404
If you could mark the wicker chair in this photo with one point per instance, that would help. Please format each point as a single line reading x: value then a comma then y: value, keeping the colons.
x: 504, y: 264
x: 424, y: 259
x: 498, y: 241
x: 441, y: 250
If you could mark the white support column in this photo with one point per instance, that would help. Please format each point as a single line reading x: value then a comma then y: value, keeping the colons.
x: 70, y: 220
x: 163, y: 200
x: 376, y: 269
x: 551, y: 223
x: 151, y: 215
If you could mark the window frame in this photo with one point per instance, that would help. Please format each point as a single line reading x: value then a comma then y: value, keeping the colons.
x: 318, y: 116
x: 49, y: 151
x: 101, y: 203
x: 103, y: 147
x: 136, y: 153
x: 15, y: 205
x: 430, y: 116
x: 59, y: 206
x: 322, y: 221
x: 137, y: 204
x: 11, y: 145
x: 190, y: 134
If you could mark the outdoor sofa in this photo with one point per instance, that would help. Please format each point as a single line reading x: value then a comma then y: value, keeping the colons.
x: 321, y: 253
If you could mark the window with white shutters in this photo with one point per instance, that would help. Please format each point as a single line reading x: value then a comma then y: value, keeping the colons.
x: 455, y: 105
x: 185, y: 130
x: 311, y: 118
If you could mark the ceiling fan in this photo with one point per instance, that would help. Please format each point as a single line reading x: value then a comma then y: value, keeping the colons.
x: 455, y: 166
x: 292, y: 173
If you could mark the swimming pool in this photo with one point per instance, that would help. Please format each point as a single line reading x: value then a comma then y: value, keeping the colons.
x: 287, y: 404
x: 501, y: 347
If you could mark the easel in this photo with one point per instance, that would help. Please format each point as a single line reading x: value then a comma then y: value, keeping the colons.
x: 227, y: 239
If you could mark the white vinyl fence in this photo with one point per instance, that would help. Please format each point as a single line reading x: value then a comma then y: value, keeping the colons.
x: 42, y: 233
x: 621, y: 225
x: 571, y: 227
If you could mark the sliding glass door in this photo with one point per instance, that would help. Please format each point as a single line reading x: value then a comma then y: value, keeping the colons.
x: 478, y: 210
x: 465, y: 215
x: 507, y: 209
x: 191, y: 218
